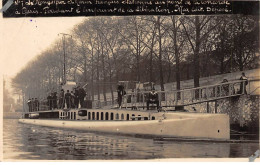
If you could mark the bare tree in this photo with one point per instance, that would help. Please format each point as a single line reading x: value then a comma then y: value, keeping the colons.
x: 246, y: 42
x: 197, y: 29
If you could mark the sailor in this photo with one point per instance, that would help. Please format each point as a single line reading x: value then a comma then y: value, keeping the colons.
x: 72, y: 100
x: 33, y: 105
x: 243, y: 84
x: 153, y: 98
x: 120, y: 93
x: 29, y: 102
x: 54, y: 100
x: 82, y: 94
x: 61, y: 99
x: 76, y: 98
x: 225, y: 87
x: 37, y: 104
x: 68, y: 99
x: 49, y: 99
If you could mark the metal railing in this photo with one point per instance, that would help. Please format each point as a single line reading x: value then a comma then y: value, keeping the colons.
x: 42, y: 105
x: 182, y: 97
x: 51, y: 104
x: 171, y: 98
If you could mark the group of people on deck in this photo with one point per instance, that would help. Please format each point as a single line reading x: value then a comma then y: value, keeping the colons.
x: 151, y: 99
x: 33, y: 104
x: 74, y: 99
x: 70, y: 99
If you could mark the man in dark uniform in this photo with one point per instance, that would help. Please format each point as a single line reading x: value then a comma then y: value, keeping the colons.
x: 37, y: 104
x: 76, y: 98
x: 49, y: 99
x: 72, y: 100
x: 120, y: 93
x: 61, y: 99
x: 54, y: 100
x: 82, y: 94
x: 153, y: 99
x: 33, y: 105
x: 68, y: 99
x: 243, y: 84
x: 29, y: 102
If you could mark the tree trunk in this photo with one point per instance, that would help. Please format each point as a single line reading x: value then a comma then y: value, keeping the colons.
x: 240, y: 56
x: 196, y: 58
x: 110, y: 79
x: 222, y: 66
x: 160, y: 55
x: 169, y: 72
x: 176, y: 56
x: 104, y: 74
x: 111, y: 89
x: 92, y: 76
x: 137, y: 56
x: 97, y: 65
x: 151, y: 62
x: 178, y: 79
x: 85, y: 67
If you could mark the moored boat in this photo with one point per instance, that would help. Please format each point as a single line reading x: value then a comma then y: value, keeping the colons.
x: 133, y: 117
x: 133, y: 122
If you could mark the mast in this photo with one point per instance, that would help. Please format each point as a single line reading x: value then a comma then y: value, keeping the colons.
x: 64, y: 55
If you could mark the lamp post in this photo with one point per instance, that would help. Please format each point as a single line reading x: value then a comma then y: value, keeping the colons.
x: 64, y: 55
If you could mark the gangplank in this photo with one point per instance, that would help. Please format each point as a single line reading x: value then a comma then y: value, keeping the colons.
x: 183, y: 97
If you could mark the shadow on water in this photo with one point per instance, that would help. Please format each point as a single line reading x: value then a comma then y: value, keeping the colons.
x: 22, y: 141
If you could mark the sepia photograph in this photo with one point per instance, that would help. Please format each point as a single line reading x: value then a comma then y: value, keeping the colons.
x: 181, y: 82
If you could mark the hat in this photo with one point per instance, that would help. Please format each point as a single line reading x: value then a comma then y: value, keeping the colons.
x: 225, y: 80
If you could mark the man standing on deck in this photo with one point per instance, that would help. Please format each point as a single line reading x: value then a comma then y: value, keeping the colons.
x: 72, y: 100
x: 49, y: 99
x: 36, y: 104
x: 54, y: 100
x: 120, y: 93
x: 82, y: 94
x: 29, y: 102
x: 243, y: 84
x: 76, y: 98
x: 68, y: 99
x: 153, y: 98
x: 61, y: 99
x: 33, y: 105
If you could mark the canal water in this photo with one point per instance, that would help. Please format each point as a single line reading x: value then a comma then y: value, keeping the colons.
x: 22, y: 141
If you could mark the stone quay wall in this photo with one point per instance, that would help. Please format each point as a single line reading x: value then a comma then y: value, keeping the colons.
x: 242, y: 110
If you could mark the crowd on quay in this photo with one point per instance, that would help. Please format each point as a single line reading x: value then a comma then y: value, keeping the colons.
x: 68, y: 100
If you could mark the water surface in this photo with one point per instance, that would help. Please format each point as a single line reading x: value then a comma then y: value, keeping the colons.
x: 30, y: 142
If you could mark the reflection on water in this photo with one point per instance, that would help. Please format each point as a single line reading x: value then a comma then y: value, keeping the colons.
x: 22, y: 141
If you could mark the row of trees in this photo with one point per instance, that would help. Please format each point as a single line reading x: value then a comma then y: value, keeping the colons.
x: 160, y: 49
x: 8, y: 100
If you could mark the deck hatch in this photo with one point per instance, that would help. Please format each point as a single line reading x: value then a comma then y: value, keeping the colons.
x: 82, y: 112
